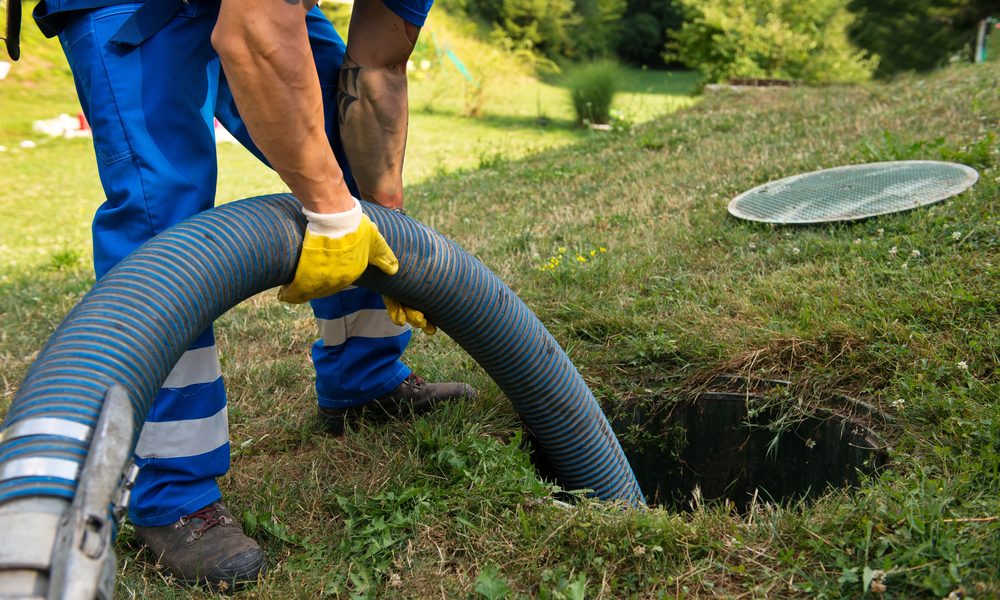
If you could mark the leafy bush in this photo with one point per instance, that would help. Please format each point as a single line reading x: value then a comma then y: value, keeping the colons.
x: 776, y: 39
x: 592, y: 88
x: 916, y: 34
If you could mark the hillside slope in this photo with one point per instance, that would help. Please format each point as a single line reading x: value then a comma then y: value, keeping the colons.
x: 656, y: 292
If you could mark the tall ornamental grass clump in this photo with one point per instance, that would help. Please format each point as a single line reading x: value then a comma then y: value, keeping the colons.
x: 803, y: 40
x: 592, y: 88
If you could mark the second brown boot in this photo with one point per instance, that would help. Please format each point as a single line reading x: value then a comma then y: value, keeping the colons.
x: 414, y: 395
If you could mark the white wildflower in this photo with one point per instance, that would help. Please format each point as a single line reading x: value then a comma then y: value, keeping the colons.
x: 28, y: 144
x: 956, y: 235
x: 893, y: 251
x: 898, y: 403
x: 795, y: 251
x: 878, y: 581
x: 915, y: 253
x: 810, y: 443
x: 752, y: 246
x: 962, y: 365
x: 857, y: 241
x: 425, y: 64
x: 881, y: 231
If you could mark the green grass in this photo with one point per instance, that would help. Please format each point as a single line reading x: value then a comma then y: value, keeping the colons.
x: 897, y: 307
x: 59, y: 173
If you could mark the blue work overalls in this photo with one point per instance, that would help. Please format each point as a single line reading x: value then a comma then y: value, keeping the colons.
x: 152, y: 108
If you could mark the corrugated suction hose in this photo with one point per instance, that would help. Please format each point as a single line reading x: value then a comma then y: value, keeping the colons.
x: 138, y: 320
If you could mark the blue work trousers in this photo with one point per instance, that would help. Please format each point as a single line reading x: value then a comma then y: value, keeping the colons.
x: 152, y: 110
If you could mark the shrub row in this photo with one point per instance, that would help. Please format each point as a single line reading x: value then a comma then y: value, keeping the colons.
x: 810, y: 40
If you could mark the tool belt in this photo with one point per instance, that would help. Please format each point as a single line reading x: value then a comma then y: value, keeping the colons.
x: 144, y: 22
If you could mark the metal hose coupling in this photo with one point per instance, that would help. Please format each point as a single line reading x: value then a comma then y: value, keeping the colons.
x: 58, y: 550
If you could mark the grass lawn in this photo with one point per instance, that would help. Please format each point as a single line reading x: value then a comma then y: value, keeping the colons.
x: 899, y: 311
x: 441, y: 140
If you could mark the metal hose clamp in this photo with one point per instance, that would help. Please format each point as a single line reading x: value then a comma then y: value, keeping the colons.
x: 47, y: 426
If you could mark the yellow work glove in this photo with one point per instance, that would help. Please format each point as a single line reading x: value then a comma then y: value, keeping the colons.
x: 336, y: 250
x: 401, y: 315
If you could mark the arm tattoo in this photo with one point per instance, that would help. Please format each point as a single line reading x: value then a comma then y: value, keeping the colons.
x: 347, y: 88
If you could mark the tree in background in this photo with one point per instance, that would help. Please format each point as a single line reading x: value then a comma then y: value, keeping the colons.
x: 645, y: 28
x: 597, y: 33
x: 541, y: 24
x: 917, y: 34
x: 575, y: 29
x: 803, y: 40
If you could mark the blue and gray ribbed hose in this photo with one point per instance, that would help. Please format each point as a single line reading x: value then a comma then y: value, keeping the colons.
x: 138, y: 320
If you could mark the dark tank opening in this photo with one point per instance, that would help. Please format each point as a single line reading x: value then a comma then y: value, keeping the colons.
x: 738, y: 444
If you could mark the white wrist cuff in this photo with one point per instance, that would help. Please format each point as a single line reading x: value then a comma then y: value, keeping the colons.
x: 334, y: 225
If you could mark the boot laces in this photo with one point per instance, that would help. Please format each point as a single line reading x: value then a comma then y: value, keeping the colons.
x: 209, y: 517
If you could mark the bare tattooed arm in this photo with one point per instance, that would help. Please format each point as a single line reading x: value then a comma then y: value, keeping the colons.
x: 372, y: 100
x: 265, y: 52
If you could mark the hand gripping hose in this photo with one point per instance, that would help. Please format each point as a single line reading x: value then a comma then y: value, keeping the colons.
x: 134, y: 325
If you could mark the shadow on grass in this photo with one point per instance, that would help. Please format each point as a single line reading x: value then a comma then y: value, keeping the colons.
x: 643, y: 81
x: 508, y: 122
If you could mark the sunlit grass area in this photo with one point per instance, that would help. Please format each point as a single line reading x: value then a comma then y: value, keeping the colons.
x: 517, y: 114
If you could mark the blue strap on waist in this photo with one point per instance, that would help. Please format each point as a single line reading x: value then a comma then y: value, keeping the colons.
x: 144, y: 22
x: 147, y: 20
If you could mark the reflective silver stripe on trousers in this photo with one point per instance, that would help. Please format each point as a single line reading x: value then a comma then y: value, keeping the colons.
x: 38, y: 466
x: 180, y: 439
x: 195, y: 367
x: 366, y: 323
x: 47, y: 426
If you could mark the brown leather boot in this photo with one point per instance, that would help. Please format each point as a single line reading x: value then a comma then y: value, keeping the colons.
x: 413, y: 396
x: 206, y: 547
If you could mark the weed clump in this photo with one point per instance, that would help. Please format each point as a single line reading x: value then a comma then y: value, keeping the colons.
x: 592, y: 88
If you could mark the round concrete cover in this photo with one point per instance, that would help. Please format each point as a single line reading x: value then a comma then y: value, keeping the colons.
x: 853, y: 192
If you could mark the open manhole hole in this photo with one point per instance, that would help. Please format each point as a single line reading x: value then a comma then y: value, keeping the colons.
x: 735, y: 443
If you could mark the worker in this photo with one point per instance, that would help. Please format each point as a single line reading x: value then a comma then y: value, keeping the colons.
x: 332, y: 121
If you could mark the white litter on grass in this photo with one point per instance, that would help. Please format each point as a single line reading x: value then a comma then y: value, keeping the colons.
x: 28, y: 144
x: 222, y: 135
x: 62, y: 126
x: 65, y: 126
